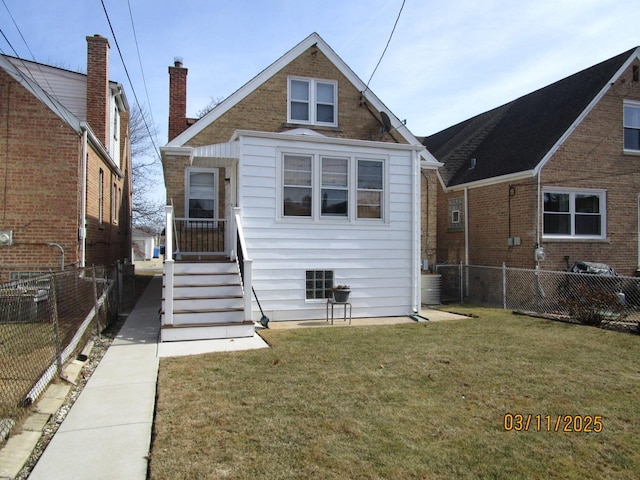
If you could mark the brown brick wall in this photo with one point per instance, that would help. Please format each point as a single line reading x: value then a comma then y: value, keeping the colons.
x: 265, y: 109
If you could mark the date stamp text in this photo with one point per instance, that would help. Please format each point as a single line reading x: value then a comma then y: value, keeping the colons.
x: 552, y: 423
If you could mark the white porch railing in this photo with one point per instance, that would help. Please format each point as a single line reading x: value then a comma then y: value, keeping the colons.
x: 168, y: 266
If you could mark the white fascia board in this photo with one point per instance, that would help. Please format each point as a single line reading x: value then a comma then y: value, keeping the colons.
x: 635, y: 55
x: 512, y: 177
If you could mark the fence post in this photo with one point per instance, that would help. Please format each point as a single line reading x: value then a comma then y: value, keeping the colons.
x: 95, y: 300
x: 504, y: 286
x: 120, y: 280
x: 56, y: 324
x: 461, y: 285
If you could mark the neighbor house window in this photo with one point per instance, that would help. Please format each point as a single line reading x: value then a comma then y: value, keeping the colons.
x: 312, y: 101
x: 632, y: 126
x: 455, y: 214
x: 201, y: 193
x: 574, y: 213
x: 370, y: 188
x: 100, y: 196
x: 319, y: 284
x: 114, y: 203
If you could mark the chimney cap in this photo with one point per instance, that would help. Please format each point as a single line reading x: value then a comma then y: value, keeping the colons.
x: 177, y: 61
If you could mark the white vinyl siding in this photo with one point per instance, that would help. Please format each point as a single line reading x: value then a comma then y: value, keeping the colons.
x: 373, y: 257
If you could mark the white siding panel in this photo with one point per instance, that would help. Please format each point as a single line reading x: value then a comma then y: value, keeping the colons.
x: 374, y: 258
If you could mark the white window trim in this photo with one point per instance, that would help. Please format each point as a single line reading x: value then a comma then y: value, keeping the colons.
x: 628, y: 103
x: 316, y: 188
x: 602, y: 194
x: 313, y: 101
x: 187, y: 190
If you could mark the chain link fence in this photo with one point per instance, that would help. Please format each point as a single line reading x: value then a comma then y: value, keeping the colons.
x: 600, y: 300
x: 46, y: 320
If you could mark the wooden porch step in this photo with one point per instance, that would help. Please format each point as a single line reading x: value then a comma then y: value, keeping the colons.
x: 210, y: 324
x: 209, y: 310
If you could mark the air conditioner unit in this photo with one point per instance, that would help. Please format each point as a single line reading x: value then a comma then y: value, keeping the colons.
x: 6, y: 238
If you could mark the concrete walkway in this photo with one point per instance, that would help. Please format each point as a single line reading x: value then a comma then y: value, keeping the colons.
x: 107, y: 432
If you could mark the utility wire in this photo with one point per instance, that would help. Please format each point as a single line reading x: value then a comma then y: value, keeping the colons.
x: 115, y: 39
x: 387, y: 46
x: 144, y: 81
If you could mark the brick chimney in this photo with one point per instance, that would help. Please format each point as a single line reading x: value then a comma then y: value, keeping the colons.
x: 98, y: 86
x: 177, y: 99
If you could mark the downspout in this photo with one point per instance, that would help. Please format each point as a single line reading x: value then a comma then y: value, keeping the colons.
x: 466, y: 226
x: 415, y: 248
x: 82, y: 231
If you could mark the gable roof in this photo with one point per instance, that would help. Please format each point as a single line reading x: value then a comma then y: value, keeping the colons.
x: 521, y: 135
x: 266, y: 74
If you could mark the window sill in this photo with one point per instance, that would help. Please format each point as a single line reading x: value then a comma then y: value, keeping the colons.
x: 574, y: 240
x: 633, y: 153
x: 313, y: 126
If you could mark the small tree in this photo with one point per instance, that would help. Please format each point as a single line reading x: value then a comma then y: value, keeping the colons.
x: 146, y: 171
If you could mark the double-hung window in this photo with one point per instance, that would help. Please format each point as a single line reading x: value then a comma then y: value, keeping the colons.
x: 335, y: 187
x: 297, y: 177
x: 632, y: 126
x: 313, y: 101
x: 370, y: 188
x: 574, y: 213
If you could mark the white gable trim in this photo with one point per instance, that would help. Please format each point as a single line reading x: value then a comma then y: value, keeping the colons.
x: 635, y: 55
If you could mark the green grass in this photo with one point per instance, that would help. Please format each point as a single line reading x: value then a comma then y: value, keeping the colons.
x: 423, y: 400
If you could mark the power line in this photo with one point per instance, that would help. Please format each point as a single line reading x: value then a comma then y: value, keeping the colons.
x: 387, y: 46
x: 129, y: 78
x: 144, y: 81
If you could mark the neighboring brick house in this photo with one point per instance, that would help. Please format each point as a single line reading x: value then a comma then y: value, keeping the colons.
x: 65, y: 166
x: 548, y: 179
x: 326, y: 182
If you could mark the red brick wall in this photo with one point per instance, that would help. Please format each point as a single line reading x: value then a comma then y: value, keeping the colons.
x: 40, y: 189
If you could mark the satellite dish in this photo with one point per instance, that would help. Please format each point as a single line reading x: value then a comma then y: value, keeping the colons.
x: 386, y: 122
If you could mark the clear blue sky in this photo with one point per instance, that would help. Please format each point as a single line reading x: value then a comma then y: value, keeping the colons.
x: 448, y: 59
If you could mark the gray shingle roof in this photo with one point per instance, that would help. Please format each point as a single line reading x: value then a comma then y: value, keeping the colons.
x: 516, y: 136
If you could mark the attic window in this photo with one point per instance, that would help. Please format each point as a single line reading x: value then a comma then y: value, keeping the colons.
x: 312, y: 102
x: 472, y: 163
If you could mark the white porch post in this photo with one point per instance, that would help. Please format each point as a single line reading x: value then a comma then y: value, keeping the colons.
x: 168, y: 266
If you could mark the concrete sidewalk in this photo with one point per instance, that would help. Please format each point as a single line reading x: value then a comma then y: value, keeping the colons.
x: 107, y: 432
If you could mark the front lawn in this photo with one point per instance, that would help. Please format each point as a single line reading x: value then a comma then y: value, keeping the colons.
x: 422, y: 400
